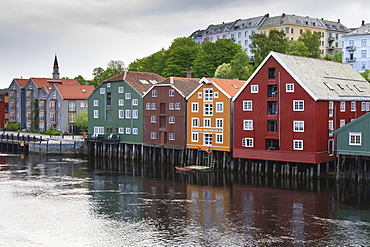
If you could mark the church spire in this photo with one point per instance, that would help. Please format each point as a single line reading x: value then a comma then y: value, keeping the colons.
x: 56, y: 68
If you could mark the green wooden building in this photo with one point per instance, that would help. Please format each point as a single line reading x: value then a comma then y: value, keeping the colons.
x: 354, y: 137
x: 116, y: 107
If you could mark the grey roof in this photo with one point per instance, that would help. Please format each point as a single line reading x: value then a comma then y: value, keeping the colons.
x: 219, y: 28
x: 363, y: 30
x: 326, y: 80
x: 248, y: 23
x: 335, y: 26
x: 286, y: 19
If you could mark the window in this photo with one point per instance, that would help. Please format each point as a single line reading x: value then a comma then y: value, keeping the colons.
x: 365, y: 106
x: 135, y: 114
x: 153, y: 119
x: 199, y: 95
x: 298, y: 126
x: 342, y: 106
x: 353, y: 106
x: 331, y: 108
x: 177, y: 106
x: 208, y: 109
x: 121, y: 130
x: 247, y: 142
x: 342, y: 122
x: 271, y: 126
x: 121, y: 113
x: 331, y: 147
x: 330, y: 127
x: 154, y: 106
x: 287, y: 30
x: 71, y: 116
x: 247, y: 124
x: 289, y: 87
x: 272, y: 73
x: 108, y: 84
x: 208, y: 95
x: 215, y: 94
x: 207, y: 122
x: 207, y: 141
x: 297, y: 144
x: 194, y: 107
x: 219, y: 138
x: 363, y: 65
x: 135, y: 102
x: 272, y: 107
x: 219, y: 122
x: 363, y: 42
x: 96, y: 102
x: 135, y: 131
x: 148, y: 106
x: 98, y: 130
x: 128, y: 131
x: 171, y: 136
x: 355, y: 138
x: 195, y: 122
x: 194, y: 137
x: 128, y: 113
x: 120, y: 90
x: 171, y: 119
x: 128, y: 96
x: 363, y: 53
x: 172, y: 106
x: 298, y: 105
x: 153, y: 135
x: 102, y: 90
x: 219, y: 107
x: 247, y: 105
x: 72, y: 106
x: 121, y: 102
x: 154, y: 93
x: 96, y: 113
x: 82, y: 104
x: 171, y: 92
x: 254, y: 88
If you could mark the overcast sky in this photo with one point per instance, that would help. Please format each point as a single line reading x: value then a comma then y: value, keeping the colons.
x: 86, y: 34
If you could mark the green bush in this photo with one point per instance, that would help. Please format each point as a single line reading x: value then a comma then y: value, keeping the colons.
x: 52, y: 132
x: 13, y: 126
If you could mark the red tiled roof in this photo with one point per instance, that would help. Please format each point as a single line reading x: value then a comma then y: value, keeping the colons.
x: 75, y: 92
x: 183, y: 84
x: 231, y: 87
x: 141, y: 81
x: 21, y: 82
x: 40, y: 82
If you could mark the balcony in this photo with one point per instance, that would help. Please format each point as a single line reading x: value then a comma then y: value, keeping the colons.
x: 351, y: 48
x: 272, y: 108
x: 331, y: 39
x: 351, y: 59
x: 331, y: 47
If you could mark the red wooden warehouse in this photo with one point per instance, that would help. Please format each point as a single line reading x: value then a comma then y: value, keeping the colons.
x: 289, y: 108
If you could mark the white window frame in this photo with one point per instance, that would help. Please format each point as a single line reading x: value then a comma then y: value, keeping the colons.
x: 331, y: 108
x: 355, y: 142
x: 128, y: 131
x: 121, y: 114
x: 127, y: 95
x: 154, y: 106
x: 298, y: 126
x: 194, y: 137
x: 135, y: 131
x: 195, y: 122
x: 121, y: 130
x: 254, y: 88
x: 153, y: 135
x: 215, y: 95
x: 206, y: 122
x: 219, y: 107
x: 121, y: 102
x: 135, y: 102
x: 289, y: 87
x: 342, y: 106
x: 298, y: 105
x: 219, y: 138
x: 98, y: 130
x: 247, y: 105
x: 96, y: 102
x: 208, y: 95
x: 342, y: 122
x: 200, y: 95
x: 331, y: 127
x: 171, y: 106
x: 208, y: 109
x: 102, y: 90
x: 207, y: 139
x: 171, y: 119
x: 247, y: 142
x: 219, y: 122
x: 153, y: 119
x: 297, y: 144
x: 121, y: 89
x: 96, y: 113
x: 154, y: 93
x: 177, y: 106
x: 171, y: 136
x: 248, y: 124
x: 135, y: 114
x: 128, y: 114
x: 171, y: 92
x: 353, y: 105
x: 194, y: 107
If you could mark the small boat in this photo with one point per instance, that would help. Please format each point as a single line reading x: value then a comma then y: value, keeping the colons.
x: 193, y: 168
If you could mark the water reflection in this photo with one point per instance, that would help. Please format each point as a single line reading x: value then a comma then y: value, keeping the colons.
x: 55, y: 201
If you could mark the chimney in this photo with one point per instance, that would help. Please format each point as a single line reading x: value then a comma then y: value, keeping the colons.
x: 338, y: 20
x: 283, y: 15
x: 363, y: 22
x: 188, y: 73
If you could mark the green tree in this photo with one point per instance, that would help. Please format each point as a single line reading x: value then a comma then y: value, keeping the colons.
x: 81, y: 121
x: 328, y: 57
x: 297, y: 48
x: 312, y: 42
x: 212, y: 55
x: 181, y: 55
x: 117, y: 66
x: 366, y: 75
x: 262, y: 45
x: 80, y: 79
x: 154, y: 63
x: 223, y: 71
x: 100, y: 75
x: 241, y: 67
x: 338, y: 57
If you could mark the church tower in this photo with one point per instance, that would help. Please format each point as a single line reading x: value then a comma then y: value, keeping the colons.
x: 56, y: 68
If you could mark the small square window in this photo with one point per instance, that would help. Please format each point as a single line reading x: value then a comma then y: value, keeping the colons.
x: 254, y: 88
x: 289, y: 87
x: 247, y: 142
x: 297, y: 144
x: 247, y: 105
x: 171, y: 92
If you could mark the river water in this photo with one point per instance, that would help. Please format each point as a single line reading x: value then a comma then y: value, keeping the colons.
x: 56, y: 201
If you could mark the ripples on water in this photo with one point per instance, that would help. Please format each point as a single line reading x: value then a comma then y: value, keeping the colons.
x: 60, y: 202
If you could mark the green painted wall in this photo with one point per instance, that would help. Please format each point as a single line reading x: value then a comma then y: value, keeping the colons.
x: 359, y: 125
x: 114, y: 123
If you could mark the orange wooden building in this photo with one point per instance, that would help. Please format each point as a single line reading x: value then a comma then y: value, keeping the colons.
x: 209, y: 114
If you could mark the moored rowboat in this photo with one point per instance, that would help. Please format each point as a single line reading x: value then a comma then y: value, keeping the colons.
x: 193, y: 168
